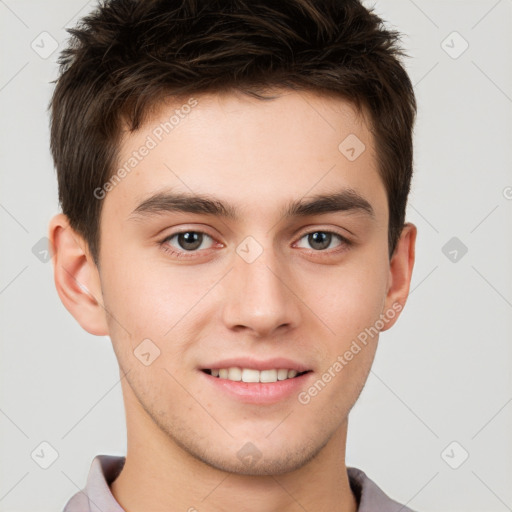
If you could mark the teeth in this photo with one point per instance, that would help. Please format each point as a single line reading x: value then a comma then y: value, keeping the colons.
x: 268, y: 376
x: 235, y: 374
x: 249, y: 375
x: 282, y: 374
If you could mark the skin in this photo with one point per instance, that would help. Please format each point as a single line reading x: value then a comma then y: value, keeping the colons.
x: 295, y: 300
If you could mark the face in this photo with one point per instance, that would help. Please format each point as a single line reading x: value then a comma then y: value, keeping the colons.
x: 250, y: 279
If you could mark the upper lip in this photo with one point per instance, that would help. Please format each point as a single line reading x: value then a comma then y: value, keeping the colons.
x: 267, y: 364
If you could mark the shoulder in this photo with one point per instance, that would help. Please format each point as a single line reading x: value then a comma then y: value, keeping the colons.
x: 104, y: 469
x: 370, y: 496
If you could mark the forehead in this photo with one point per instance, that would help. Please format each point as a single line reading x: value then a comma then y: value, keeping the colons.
x: 249, y: 150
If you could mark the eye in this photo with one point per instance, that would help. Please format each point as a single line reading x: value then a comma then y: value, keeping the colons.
x: 187, y: 241
x: 321, y: 240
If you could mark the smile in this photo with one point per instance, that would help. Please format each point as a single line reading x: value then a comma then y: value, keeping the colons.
x: 237, y: 374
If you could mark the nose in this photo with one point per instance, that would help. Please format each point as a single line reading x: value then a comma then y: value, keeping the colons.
x: 260, y: 296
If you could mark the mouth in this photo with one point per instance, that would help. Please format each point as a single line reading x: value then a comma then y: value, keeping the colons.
x: 249, y: 380
x: 252, y: 375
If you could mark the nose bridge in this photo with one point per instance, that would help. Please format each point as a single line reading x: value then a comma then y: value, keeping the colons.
x: 259, y: 297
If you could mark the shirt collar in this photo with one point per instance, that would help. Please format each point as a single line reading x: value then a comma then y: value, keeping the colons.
x: 97, y: 496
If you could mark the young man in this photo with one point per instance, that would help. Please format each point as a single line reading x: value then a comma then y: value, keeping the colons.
x: 233, y: 178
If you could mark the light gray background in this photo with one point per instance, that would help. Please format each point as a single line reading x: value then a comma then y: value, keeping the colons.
x: 442, y: 374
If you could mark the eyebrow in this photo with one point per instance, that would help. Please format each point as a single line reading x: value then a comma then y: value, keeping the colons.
x: 347, y: 200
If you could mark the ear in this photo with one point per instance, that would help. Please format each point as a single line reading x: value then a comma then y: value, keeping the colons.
x: 400, y: 272
x: 76, y: 276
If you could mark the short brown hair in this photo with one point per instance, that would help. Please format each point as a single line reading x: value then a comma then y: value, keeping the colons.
x: 129, y: 54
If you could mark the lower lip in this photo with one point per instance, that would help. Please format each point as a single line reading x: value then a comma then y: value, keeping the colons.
x: 259, y: 392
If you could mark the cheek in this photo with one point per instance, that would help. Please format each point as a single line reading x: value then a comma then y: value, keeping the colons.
x: 149, y: 297
x: 351, y: 308
x: 348, y: 298
x: 157, y: 302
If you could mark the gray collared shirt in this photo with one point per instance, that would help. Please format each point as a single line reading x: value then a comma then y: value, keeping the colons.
x: 96, y: 496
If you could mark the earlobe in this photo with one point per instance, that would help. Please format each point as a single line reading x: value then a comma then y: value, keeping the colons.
x: 400, y: 273
x: 76, y: 276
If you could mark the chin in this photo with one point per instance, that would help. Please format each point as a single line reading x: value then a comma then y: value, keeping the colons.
x: 257, y: 458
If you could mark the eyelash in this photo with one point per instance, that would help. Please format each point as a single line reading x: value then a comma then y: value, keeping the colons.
x: 345, y: 243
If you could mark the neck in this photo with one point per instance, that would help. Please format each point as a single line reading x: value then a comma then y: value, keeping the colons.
x: 159, y: 475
